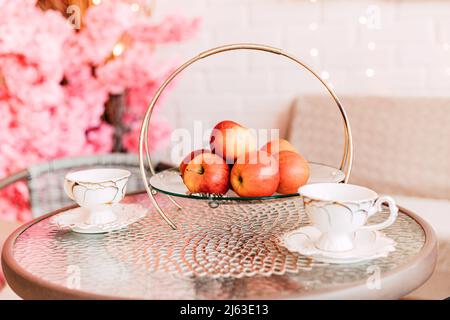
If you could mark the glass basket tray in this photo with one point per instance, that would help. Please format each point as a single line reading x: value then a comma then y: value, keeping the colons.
x: 170, y: 182
x: 171, y: 185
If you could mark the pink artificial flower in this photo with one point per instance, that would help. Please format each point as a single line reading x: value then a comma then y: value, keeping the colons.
x: 139, y: 98
x: 134, y: 68
x: 54, y: 83
x: 25, y: 81
x: 97, y: 41
x: 85, y: 101
x: 100, y: 139
x: 35, y: 35
x: 158, y: 135
x: 14, y: 203
x: 171, y: 29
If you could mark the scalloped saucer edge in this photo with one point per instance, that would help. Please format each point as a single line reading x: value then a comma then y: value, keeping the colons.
x: 369, y: 245
x: 75, y: 219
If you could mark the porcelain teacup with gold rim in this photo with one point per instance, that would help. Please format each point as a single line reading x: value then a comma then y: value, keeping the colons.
x: 96, y: 191
x: 338, y: 210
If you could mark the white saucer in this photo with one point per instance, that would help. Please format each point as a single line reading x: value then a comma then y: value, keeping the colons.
x: 368, y: 245
x: 75, y: 219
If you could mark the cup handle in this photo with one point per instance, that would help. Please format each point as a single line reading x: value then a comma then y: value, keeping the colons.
x: 68, y: 188
x: 377, y: 207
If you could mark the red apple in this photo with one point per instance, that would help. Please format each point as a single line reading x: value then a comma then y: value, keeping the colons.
x: 275, y: 146
x: 255, y: 174
x: 207, y: 173
x: 189, y: 157
x: 230, y: 140
x: 294, y: 172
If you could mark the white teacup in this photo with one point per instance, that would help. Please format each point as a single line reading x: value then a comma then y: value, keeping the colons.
x: 338, y: 210
x: 96, y: 190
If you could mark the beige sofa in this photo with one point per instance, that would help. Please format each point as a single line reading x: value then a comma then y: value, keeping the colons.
x: 401, y: 148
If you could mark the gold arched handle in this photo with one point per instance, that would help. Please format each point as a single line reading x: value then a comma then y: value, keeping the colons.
x: 347, y: 158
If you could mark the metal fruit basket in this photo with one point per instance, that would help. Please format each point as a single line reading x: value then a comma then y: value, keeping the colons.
x: 165, y: 181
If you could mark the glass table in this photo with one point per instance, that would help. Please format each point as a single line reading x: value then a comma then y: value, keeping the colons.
x: 229, y: 252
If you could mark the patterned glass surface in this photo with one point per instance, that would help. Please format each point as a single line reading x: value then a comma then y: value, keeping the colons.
x: 230, y: 252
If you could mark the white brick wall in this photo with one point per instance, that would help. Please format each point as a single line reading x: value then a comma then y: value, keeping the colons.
x: 411, y: 54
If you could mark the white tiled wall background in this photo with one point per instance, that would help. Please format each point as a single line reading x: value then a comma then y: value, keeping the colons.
x: 361, y: 47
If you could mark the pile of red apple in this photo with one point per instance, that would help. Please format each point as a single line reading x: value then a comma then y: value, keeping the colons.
x: 235, y: 162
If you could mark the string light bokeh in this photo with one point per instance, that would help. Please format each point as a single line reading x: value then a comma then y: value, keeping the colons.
x: 370, y: 18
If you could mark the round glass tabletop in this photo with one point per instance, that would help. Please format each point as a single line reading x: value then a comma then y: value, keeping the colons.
x: 231, y: 252
x: 170, y: 182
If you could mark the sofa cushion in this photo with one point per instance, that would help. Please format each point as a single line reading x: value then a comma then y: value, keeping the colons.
x: 401, y: 145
